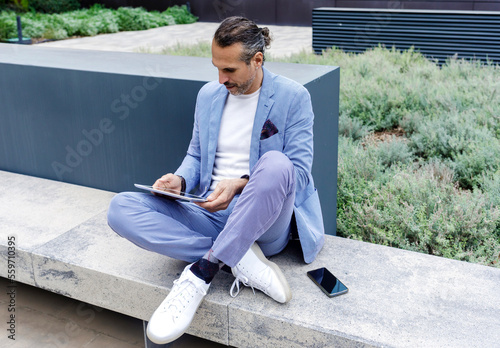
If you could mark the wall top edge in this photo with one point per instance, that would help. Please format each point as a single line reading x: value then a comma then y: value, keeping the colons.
x: 140, y: 64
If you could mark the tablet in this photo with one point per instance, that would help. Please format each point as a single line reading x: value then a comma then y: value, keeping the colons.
x: 172, y: 193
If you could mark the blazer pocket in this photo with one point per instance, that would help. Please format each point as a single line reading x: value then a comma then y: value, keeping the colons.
x: 274, y: 142
x: 268, y: 130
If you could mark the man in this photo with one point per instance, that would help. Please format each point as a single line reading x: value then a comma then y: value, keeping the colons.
x: 250, y: 154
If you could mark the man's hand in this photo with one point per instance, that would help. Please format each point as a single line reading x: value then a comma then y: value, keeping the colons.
x: 168, y: 181
x: 223, y: 194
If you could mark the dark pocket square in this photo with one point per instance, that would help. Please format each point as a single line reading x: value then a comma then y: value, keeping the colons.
x: 268, y: 130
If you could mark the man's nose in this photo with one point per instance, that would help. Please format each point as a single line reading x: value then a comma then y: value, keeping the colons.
x: 223, y: 78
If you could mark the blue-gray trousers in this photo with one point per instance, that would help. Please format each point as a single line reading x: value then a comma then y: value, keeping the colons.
x: 185, y: 231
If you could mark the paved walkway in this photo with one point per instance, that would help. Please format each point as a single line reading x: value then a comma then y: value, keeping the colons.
x: 287, y: 39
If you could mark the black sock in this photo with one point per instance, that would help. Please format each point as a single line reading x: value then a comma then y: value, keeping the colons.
x: 227, y: 269
x: 205, y: 269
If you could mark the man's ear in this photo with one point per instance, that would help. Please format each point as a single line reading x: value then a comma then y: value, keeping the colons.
x: 258, y: 58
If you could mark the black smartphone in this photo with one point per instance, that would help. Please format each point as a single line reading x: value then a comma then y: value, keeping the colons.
x: 327, y: 282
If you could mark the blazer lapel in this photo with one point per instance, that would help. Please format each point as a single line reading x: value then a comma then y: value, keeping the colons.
x: 216, y: 110
x: 263, y: 108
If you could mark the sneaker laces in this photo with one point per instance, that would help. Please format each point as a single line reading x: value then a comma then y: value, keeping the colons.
x: 236, y: 284
x: 182, y: 293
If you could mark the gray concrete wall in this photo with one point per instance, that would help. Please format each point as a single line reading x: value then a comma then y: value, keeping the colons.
x: 108, y: 120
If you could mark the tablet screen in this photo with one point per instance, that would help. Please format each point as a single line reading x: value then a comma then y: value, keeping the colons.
x: 171, y: 193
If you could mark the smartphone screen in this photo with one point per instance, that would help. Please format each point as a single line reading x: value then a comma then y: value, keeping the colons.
x: 327, y: 282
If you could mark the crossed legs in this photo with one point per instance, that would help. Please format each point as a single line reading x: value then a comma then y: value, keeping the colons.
x: 184, y: 231
x: 262, y: 214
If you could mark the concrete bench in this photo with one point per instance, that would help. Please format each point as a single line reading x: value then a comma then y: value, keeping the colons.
x: 396, y: 298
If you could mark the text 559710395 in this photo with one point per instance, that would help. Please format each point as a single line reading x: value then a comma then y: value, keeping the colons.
x: 11, y: 287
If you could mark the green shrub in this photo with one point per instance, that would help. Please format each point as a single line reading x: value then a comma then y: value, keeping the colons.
x: 33, y: 26
x: 491, y: 186
x: 379, y: 87
x: 358, y: 170
x: 478, y: 160
x: 385, y: 88
x: 139, y: 19
x: 8, y: 26
x: 181, y: 14
x: 54, y: 6
x: 422, y: 211
x: 395, y: 151
x: 89, y: 22
x: 352, y: 128
x: 130, y: 19
x: 471, y: 147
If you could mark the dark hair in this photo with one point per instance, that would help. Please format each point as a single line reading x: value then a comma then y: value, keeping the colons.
x: 240, y: 29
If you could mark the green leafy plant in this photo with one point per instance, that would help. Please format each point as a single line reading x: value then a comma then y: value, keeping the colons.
x: 352, y: 127
x: 415, y: 209
x: 181, y: 14
x: 89, y: 22
x: 8, y: 26
x: 358, y: 170
x: 395, y: 151
x: 471, y: 148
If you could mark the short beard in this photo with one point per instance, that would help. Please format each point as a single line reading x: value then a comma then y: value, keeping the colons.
x: 243, y: 88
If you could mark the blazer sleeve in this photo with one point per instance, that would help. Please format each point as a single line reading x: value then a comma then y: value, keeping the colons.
x: 298, y: 142
x: 191, y: 164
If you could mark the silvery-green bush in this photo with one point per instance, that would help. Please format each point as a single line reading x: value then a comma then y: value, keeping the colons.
x: 422, y: 209
x: 353, y: 127
x: 394, y: 151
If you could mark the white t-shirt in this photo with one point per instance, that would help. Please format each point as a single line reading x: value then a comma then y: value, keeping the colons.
x: 232, y: 156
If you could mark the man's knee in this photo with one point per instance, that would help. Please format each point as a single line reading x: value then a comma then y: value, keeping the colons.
x: 117, y: 207
x: 277, y: 162
x: 275, y: 168
x: 119, y: 200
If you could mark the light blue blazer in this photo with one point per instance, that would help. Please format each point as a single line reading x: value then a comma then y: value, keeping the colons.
x: 287, y: 104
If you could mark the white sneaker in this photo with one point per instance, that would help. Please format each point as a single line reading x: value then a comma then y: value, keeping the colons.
x: 256, y: 271
x: 174, y: 315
